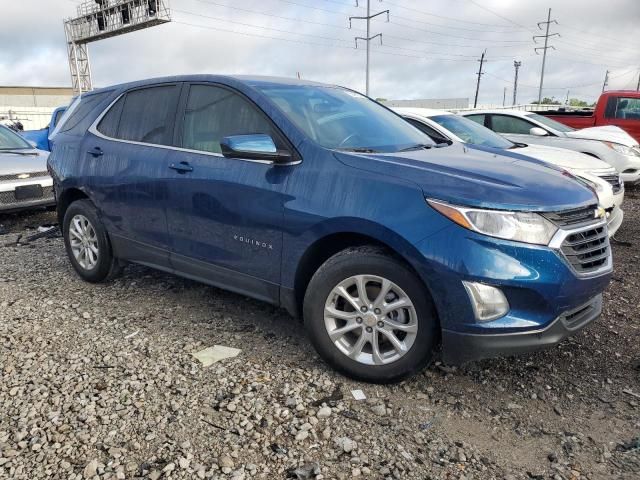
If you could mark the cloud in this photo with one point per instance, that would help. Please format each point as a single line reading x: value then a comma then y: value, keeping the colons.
x: 423, y: 54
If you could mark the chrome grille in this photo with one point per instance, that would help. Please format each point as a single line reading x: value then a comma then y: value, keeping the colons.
x: 614, y: 181
x: 587, y: 250
x: 572, y: 218
x: 9, y: 198
x: 16, y: 176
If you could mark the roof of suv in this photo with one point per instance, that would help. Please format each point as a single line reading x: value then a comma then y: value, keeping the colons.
x: 422, y: 112
x: 251, y: 80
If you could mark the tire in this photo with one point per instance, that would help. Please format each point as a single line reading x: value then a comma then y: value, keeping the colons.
x: 325, y: 310
x: 98, y: 265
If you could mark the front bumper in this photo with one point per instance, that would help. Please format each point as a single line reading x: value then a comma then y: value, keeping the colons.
x: 9, y: 202
x: 614, y: 220
x: 539, y: 282
x: 459, y: 348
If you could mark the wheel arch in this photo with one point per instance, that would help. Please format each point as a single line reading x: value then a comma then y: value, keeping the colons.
x: 332, y: 242
x: 66, y: 198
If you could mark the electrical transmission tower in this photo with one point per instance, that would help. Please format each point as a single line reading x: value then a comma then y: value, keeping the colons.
x: 475, y: 100
x: 368, y: 38
x: 517, y: 66
x: 544, y: 49
x: 99, y: 19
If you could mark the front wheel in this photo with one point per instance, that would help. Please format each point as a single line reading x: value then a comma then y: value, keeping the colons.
x: 370, y: 316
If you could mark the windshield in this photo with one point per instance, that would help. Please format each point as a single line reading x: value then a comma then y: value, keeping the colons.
x: 10, y: 140
x: 471, y: 132
x: 337, y: 118
x: 550, y: 123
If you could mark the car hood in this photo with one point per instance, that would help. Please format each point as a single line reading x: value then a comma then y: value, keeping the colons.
x: 471, y: 177
x: 564, y: 158
x: 15, y: 163
x: 608, y: 133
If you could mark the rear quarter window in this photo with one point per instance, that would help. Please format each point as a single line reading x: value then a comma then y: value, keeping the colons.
x: 81, y: 117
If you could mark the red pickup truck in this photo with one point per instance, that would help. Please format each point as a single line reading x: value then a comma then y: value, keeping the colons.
x: 615, y: 107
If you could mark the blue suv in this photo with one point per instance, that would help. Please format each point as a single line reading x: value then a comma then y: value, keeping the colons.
x: 317, y: 199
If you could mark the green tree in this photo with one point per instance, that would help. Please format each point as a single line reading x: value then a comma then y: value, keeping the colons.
x: 547, y: 101
x: 574, y: 102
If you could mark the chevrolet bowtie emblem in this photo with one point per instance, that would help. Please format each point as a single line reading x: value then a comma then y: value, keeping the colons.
x: 22, y: 176
x: 599, y: 213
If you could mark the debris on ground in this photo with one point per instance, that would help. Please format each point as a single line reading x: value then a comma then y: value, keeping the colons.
x: 214, y: 354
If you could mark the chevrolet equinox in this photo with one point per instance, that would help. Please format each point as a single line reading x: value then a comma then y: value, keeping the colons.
x: 317, y: 199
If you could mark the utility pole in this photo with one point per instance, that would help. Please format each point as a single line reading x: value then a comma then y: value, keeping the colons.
x: 566, y: 101
x: 544, y: 49
x: 606, y: 80
x: 475, y: 101
x: 638, y: 86
x: 504, y: 96
x: 368, y: 38
x: 517, y: 65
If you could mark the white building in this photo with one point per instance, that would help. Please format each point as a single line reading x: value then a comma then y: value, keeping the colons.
x: 32, y: 106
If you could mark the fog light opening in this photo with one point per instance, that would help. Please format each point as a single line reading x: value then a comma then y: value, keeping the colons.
x: 489, y: 303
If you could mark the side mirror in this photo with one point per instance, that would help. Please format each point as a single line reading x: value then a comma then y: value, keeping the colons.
x: 538, y: 132
x: 253, y: 147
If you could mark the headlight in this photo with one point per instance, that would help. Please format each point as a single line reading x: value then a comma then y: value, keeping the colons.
x: 593, y: 185
x: 518, y: 226
x: 623, y: 149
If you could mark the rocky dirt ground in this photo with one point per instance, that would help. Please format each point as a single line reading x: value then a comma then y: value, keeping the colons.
x: 98, y: 381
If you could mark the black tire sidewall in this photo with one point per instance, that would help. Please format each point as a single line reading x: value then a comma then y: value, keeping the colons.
x: 105, y: 259
x: 337, y: 270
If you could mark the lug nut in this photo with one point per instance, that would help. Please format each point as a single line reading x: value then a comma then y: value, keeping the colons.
x: 377, y: 311
x: 363, y: 309
x: 380, y: 324
x: 358, y: 320
x: 369, y: 329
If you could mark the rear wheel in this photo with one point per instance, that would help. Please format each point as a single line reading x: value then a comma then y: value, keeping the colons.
x: 370, y: 316
x: 87, y: 244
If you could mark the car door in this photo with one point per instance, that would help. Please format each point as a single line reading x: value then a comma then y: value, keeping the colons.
x: 225, y: 215
x: 129, y: 156
x: 515, y: 129
x: 624, y: 112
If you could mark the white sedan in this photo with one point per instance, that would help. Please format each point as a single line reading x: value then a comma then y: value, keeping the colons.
x: 443, y: 126
x: 608, y: 143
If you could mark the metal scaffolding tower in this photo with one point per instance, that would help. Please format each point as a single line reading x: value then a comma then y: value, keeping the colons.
x: 99, y: 19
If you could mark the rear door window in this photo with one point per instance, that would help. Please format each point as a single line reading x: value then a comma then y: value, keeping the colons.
x: 148, y: 115
x: 509, y: 124
x: 213, y: 112
x: 109, y: 124
x: 624, y: 108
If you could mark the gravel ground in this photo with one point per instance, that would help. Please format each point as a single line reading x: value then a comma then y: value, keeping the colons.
x: 98, y: 381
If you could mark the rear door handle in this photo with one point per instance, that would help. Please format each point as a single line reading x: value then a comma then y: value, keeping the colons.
x: 95, y: 152
x: 182, y: 167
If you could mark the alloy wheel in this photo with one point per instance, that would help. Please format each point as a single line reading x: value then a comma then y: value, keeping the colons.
x: 370, y: 319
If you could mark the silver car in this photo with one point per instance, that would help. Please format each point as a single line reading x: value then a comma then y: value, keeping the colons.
x: 24, y: 180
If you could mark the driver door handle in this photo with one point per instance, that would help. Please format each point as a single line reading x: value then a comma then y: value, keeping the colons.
x: 182, y: 167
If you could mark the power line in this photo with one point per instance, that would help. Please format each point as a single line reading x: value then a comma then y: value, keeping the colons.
x: 369, y: 37
x: 475, y: 101
x: 544, y: 49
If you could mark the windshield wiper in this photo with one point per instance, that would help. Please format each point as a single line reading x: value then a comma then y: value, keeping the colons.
x: 26, y: 151
x: 518, y: 145
x: 417, y: 146
x: 358, y: 150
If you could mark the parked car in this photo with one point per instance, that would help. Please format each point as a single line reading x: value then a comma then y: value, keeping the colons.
x: 41, y: 137
x: 614, y: 107
x: 24, y: 180
x: 442, y: 126
x: 320, y: 200
x: 609, y: 144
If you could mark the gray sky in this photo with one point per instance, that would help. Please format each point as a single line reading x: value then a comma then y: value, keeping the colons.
x: 430, y: 47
